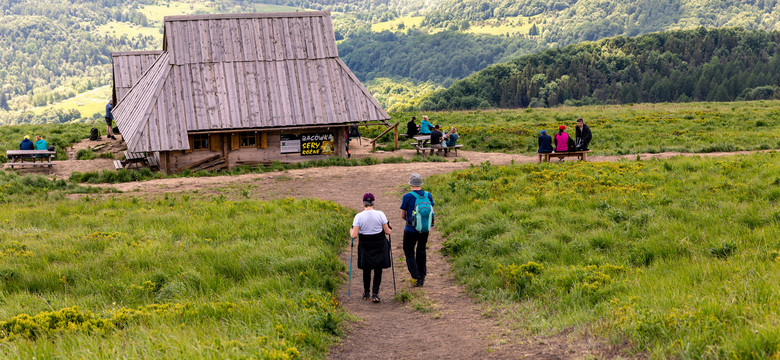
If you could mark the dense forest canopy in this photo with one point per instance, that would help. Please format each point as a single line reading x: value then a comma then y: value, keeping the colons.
x: 440, y: 58
x: 571, y: 21
x: 700, y: 65
x: 50, y: 51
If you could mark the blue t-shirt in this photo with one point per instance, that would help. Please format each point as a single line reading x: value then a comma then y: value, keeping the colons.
x: 109, y: 107
x: 408, y: 204
x: 425, y: 127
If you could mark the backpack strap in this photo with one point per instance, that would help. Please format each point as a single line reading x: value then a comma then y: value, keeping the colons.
x: 418, y: 196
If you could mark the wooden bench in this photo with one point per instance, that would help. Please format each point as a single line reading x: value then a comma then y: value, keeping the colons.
x: 19, y: 158
x: 582, y: 155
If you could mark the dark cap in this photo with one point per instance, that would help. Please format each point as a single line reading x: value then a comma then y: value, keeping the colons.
x: 368, y: 197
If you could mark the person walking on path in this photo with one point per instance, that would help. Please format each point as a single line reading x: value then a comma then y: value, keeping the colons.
x: 370, y: 227
x: 413, y: 208
x: 110, y: 118
x: 582, y: 136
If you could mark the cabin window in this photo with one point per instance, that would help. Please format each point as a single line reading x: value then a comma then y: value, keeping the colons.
x: 200, y: 142
x: 248, y: 139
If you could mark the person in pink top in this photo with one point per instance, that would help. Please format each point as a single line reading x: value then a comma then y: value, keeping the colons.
x: 561, y: 140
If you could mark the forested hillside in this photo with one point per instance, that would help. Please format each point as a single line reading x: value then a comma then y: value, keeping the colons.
x: 571, y: 21
x: 441, y: 58
x: 50, y: 51
x: 700, y: 65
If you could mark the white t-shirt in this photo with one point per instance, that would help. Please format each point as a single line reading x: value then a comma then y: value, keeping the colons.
x: 370, y: 222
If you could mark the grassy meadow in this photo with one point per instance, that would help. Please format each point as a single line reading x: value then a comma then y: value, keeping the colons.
x: 167, y: 278
x: 680, y: 258
x: 617, y: 130
x: 87, y: 103
x: 61, y: 136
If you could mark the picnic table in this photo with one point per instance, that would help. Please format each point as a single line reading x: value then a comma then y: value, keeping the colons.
x: 422, y: 144
x: 582, y: 155
x: 21, y: 158
x: 138, y: 159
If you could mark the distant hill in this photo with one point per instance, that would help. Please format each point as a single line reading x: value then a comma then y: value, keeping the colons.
x: 692, y: 65
x: 570, y: 21
x: 440, y: 58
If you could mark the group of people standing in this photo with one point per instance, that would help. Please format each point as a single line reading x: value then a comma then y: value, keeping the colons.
x: 439, y: 140
x: 371, y: 227
x: 563, y: 142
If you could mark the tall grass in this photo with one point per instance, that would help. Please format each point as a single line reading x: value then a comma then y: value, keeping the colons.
x: 680, y: 257
x: 126, y: 175
x: 171, y: 278
x: 617, y: 130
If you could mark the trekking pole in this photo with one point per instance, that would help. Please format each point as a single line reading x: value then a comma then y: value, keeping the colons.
x: 349, y: 287
x: 392, y: 263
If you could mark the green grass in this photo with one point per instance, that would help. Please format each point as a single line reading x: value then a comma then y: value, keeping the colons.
x: 679, y: 258
x: 156, y: 13
x: 125, y: 175
x: 510, y: 25
x: 167, y: 278
x: 392, y: 25
x: 618, y: 130
x: 61, y: 136
x: 119, y: 28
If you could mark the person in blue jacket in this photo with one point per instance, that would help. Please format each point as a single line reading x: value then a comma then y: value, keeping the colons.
x: 27, y: 144
x: 545, y: 143
x: 425, y: 126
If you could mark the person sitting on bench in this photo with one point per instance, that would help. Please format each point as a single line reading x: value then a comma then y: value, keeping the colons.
x: 436, y: 137
x: 26, y: 144
x: 411, y: 128
x: 582, y: 135
x: 561, y: 140
x: 545, y: 143
x: 425, y: 126
x: 451, y: 139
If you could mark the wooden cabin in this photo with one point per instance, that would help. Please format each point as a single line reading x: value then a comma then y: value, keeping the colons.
x: 128, y: 67
x: 236, y: 89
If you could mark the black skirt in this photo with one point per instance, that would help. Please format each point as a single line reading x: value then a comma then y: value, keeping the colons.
x: 373, y: 251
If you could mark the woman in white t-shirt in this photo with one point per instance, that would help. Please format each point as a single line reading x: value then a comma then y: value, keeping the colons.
x: 370, y: 227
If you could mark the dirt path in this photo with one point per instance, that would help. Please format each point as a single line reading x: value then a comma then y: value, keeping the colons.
x: 453, y: 326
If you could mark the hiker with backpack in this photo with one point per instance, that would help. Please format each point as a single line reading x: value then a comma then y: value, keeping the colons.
x: 417, y: 212
x: 370, y: 227
x: 109, y: 119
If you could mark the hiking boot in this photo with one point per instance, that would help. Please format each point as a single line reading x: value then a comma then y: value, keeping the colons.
x: 113, y: 137
x: 366, y: 296
x: 375, y: 298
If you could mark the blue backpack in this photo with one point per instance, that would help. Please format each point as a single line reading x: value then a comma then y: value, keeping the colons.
x: 422, y: 217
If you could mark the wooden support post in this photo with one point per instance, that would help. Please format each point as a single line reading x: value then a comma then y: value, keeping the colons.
x: 396, y: 137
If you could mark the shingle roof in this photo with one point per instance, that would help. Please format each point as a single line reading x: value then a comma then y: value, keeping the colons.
x: 242, y: 71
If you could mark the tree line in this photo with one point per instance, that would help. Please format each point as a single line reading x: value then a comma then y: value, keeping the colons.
x: 440, y: 58
x: 677, y: 66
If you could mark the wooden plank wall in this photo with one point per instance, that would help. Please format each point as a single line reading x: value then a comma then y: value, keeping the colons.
x: 129, y: 67
x: 178, y: 160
